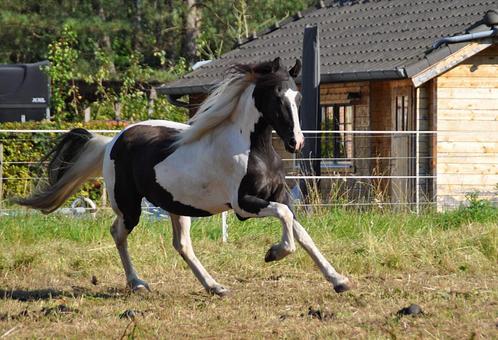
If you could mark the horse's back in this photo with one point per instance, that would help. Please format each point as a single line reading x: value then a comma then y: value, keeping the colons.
x: 131, y: 162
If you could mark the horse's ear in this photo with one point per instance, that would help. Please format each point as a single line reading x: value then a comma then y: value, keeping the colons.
x: 275, y: 64
x: 294, y: 71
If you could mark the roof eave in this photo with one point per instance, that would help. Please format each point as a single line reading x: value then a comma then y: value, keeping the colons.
x: 184, y: 90
x: 324, y: 78
x: 362, y: 76
x: 445, y: 58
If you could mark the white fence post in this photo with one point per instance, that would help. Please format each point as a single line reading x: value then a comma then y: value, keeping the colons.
x: 417, y: 168
x: 224, y: 226
x: 87, y: 114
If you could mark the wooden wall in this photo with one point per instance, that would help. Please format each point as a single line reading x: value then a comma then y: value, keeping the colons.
x: 380, y: 115
x: 382, y: 99
x: 467, y: 103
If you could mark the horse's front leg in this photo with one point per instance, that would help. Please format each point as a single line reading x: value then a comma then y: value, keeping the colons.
x: 340, y: 282
x: 252, y: 206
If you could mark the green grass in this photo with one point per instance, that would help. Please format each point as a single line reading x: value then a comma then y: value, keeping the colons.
x: 446, y: 262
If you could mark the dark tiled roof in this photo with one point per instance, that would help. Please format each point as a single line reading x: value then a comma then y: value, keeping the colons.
x: 359, y: 40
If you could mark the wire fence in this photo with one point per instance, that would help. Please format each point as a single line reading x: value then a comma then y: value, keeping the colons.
x: 354, y: 169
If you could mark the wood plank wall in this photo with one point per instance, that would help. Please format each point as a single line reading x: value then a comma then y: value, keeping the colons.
x: 382, y: 96
x: 467, y: 100
x: 381, y: 120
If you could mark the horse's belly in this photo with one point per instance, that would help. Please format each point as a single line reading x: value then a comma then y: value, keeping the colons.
x: 192, y: 189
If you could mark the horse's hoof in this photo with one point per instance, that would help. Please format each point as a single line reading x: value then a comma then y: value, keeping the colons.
x: 275, y: 253
x: 219, y: 290
x: 137, y: 285
x: 342, y: 287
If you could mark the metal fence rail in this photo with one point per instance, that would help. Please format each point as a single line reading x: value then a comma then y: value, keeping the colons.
x: 416, y: 159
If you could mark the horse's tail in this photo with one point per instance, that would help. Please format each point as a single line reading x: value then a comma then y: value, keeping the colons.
x: 77, y: 156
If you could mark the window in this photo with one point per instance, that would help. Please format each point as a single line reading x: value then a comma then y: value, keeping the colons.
x: 336, y: 146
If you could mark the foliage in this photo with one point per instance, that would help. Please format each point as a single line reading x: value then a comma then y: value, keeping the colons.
x: 130, y: 103
x: 22, y: 152
x: 225, y: 22
x: 476, y: 209
x: 149, y: 28
x: 63, y: 56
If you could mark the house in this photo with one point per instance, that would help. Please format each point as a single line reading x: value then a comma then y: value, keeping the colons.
x: 428, y: 102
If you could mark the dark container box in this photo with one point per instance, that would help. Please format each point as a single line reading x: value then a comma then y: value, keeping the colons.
x: 24, y: 92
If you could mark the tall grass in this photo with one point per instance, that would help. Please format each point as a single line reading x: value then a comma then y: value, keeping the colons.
x: 358, y: 242
x: 445, y: 262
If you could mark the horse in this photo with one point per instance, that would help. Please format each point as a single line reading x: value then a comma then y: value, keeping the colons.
x: 222, y: 160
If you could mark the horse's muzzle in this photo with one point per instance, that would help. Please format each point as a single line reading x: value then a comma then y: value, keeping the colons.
x: 294, y: 145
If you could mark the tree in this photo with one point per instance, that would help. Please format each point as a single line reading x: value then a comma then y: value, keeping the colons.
x: 162, y: 32
x: 192, y: 24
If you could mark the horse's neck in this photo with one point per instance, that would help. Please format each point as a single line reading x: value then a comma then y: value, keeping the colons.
x: 249, y: 121
x: 261, y: 140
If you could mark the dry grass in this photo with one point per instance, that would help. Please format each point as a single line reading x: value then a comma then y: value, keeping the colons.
x: 445, y: 263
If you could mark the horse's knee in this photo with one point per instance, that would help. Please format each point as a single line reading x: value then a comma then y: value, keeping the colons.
x: 282, y: 212
x: 176, y: 245
x: 120, y: 229
x: 181, y: 246
x: 117, y: 231
x: 286, y: 214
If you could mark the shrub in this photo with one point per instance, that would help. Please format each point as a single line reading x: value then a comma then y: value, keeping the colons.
x: 22, y: 152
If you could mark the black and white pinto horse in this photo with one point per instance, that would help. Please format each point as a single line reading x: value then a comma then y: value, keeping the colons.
x: 223, y: 160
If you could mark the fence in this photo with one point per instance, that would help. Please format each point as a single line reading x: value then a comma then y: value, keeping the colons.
x: 411, y: 169
x: 442, y: 169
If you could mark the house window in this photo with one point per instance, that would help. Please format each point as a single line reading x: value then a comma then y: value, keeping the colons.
x: 401, y: 113
x: 337, y: 148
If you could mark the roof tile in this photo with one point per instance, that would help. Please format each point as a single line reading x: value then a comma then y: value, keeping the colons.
x: 361, y: 38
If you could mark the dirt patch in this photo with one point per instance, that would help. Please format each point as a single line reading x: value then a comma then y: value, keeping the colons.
x: 61, y: 309
x: 319, y: 314
x: 50, y: 293
x: 58, y: 310
x: 413, y: 310
x: 94, y: 280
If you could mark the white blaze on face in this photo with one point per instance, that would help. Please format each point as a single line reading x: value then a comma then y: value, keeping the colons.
x: 298, y: 135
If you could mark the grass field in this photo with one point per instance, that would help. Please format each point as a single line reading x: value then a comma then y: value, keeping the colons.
x: 61, y: 277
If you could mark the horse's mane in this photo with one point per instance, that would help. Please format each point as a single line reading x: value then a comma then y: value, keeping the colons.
x: 222, y: 103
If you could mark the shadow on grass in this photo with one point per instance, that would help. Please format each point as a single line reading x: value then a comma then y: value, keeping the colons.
x: 49, y: 293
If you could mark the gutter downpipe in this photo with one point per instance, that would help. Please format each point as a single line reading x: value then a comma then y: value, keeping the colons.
x: 465, y: 37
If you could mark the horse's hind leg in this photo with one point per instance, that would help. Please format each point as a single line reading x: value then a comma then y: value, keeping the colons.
x: 120, y: 235
x: 340, y: 282
x: 183, y: 244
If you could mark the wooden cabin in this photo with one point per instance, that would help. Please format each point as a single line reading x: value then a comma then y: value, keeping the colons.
x: 431, y: 112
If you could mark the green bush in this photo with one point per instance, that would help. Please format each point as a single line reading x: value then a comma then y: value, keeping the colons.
x: 19, y: 178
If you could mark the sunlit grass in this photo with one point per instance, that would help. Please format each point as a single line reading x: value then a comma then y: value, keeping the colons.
x: 444, y: 262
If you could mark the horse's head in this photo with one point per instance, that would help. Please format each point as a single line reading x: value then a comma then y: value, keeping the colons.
x: 277, y: 98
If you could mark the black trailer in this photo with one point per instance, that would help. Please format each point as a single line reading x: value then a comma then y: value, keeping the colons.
x: 24, y: 92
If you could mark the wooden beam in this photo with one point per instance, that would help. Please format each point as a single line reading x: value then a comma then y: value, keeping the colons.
x: 450, y: 61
